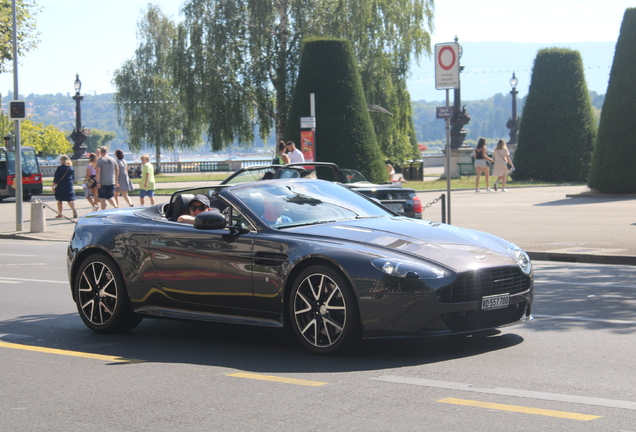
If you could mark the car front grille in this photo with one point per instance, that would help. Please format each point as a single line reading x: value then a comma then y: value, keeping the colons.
x: 474, y: 285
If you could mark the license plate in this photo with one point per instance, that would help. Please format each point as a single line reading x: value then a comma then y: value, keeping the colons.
x: 398, y: 208
x: 495, y: 302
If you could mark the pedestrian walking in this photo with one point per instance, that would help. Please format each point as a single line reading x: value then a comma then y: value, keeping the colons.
x: 294, y: 154
x: 63, y: 182
x: 90, y: 180
x: 125, y: 185
x: 107, y: 175
x: 147, y: 184
x: 503, y: 164
x: 481, y: 164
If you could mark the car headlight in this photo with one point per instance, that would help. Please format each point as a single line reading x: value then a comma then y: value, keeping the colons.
x: 409, y: 269
x: 520, y: 257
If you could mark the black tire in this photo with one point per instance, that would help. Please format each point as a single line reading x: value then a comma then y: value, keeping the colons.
x: 26, y: 197
x: 323, y: 312
x: 101, y: 296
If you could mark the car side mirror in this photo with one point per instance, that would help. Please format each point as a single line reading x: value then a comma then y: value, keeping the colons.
x: 213, y: 220
x: 210, y: 220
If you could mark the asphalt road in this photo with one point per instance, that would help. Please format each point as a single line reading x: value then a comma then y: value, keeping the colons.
x: 571, y: 368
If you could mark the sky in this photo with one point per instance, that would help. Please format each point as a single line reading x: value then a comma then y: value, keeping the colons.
x: 94, y: 37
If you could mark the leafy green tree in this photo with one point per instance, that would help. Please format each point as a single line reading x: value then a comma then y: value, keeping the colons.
x: 145, y: 97
x: 27, y: 34
x: 98, y: 138
x: 344, y: 131
x: 43, y: 138
x: 613, y: 163
x: 558, y: 128
x: 238, y: 59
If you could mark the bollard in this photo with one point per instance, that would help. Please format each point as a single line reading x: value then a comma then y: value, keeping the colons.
x: 38, y: 221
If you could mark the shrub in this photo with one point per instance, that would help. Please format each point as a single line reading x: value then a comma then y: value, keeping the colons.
x: 344, y: 131
x: 615, y: 154
x: 557, y: 130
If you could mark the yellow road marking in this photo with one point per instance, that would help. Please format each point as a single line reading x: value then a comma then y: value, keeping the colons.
x: 277, y: 379
x: 68, y: 353
x: 520, y: 409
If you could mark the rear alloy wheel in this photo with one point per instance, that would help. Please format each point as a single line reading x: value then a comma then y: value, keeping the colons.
x: 102, y: 300
x: 323, y: 311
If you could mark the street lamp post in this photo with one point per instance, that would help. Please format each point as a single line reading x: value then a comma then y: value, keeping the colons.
x: 79, y: 134
x: 513, y: 122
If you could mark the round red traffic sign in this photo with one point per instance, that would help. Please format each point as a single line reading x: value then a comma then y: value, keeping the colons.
x: 443, y: 61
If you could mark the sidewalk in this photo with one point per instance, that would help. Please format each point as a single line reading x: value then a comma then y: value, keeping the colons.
x: 542, y: 220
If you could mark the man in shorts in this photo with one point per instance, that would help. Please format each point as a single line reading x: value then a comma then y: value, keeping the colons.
x: 107, y: 173
x: 147, y: 184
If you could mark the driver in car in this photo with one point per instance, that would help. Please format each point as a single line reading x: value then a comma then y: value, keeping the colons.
x: 199, y: 204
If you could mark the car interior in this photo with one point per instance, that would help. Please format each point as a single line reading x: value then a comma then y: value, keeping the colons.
x: 179, y: 204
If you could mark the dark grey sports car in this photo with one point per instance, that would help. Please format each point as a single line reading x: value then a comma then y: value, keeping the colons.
x: 330, y: 263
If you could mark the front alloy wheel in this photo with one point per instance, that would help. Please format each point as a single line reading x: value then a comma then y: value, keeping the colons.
x: 323, y: 311
x: 102, y: 300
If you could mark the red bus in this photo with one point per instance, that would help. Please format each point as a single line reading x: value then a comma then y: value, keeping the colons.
x: 31, y: 174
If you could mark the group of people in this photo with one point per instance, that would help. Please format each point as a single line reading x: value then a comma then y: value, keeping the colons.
x: 501, y: 159
x: 286, y: 152
x: 105, y: 180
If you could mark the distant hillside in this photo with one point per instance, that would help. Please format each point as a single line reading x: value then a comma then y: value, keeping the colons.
x: 98, y: 112
x: 488, y: 67
x: 488, y: 116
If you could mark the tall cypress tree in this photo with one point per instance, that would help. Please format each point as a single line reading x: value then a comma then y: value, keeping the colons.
x: 557, y: 130
x: 613, y: 163
x: 344, y: 131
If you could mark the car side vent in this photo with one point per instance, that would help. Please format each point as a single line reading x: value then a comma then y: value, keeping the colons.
x: 472, y: 286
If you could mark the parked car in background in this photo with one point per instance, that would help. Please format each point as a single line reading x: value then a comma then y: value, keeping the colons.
x: 393, y: 196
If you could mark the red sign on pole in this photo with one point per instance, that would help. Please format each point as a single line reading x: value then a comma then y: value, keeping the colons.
x: 307, y: 145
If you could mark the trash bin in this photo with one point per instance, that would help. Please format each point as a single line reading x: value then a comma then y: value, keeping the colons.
x: 406, y: 170
x: 417, y: 170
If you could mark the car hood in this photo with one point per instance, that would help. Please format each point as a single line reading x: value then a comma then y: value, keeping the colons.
x: 458, y: 248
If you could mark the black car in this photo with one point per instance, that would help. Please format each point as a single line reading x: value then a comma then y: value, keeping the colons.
x: 392, y: 195
x: 332, y: 264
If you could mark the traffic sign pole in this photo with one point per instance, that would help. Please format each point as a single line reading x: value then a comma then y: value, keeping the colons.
x: 446, y: 78
x: 17, y: 181
x: 448, y: 159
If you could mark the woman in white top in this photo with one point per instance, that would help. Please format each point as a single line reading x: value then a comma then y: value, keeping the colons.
x: 500, y: 170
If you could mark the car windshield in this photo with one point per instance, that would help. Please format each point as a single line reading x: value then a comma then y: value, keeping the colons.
x: 305, y: 202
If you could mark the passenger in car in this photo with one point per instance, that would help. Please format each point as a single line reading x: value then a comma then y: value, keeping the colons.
x: 273, y: 212
x: 199, y: 204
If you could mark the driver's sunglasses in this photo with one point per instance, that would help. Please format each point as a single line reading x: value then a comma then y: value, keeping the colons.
x: 197, y: 207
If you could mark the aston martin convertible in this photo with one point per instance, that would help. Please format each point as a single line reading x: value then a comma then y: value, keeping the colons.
x: 333, y: 265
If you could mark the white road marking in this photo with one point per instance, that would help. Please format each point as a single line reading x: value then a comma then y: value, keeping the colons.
x: 9, y: 279
x: 584, y: 400
x: 596, y: 285
x: 574, y: 318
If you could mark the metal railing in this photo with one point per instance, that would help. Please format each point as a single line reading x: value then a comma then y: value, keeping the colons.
x: 229, y: 165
